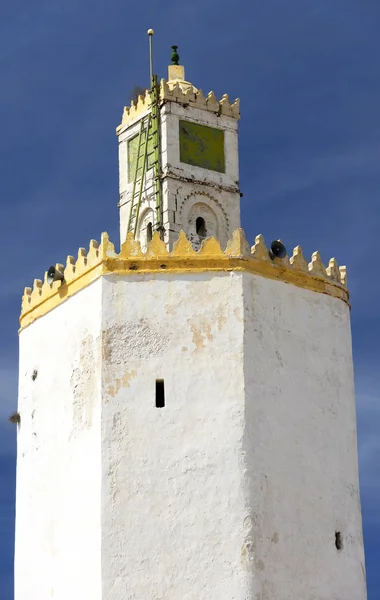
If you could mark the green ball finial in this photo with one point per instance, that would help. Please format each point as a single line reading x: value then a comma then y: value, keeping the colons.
x: 175, y: 57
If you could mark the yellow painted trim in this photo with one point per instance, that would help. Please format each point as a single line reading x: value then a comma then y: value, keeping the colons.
x: 59, y: 296
x: 238, y: 256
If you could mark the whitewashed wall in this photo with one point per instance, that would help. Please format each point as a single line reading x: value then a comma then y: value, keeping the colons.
x: 300, y: 444
x: 57, y: 551
x: 172, y: 503
x: 234, y: 489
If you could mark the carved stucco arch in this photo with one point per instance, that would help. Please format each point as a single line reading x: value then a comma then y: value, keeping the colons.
x: 187, y: 211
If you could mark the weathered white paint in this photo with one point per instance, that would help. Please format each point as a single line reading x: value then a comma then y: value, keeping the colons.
x: 300, y: 443
x: 234, y: 489
x: 58, y: 514
x: 173, y: 501
x: 215, y: 192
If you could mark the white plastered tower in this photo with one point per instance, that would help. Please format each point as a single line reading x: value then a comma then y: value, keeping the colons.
x: 187, y: 424
x: 198, y: 160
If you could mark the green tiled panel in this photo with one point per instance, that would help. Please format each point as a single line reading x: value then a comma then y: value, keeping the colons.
x: 133, y: 145
x: 201, y: 146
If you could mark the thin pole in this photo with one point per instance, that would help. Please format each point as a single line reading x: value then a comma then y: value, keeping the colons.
x: 151, y: 33
x: 155, y: 94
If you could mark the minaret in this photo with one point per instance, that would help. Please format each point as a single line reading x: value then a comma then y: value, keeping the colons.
x: 187, y: 176
x: 186, y: 417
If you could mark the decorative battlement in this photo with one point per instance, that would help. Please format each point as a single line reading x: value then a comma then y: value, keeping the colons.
x: 187, y: 95
x: 238, y: 256
x: 194, y: 97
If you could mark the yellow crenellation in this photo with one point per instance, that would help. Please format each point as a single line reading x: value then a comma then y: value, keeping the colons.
x: 101, y: 259
x: 176, y: 93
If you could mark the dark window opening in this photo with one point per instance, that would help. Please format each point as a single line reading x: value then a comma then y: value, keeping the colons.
x: 149, y: 232
x: 200, y: 227
x: 160, y: 393
x: 338, y: 540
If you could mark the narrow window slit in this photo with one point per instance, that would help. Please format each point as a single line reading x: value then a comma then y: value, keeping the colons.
x: 149, y: 232
x: 160, y: 393
x: 200, y: 227
x: 338, y: 540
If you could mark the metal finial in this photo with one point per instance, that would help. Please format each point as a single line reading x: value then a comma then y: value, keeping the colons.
x: 175, y: 57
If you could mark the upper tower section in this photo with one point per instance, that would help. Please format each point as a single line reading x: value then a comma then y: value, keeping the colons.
x: 178, y: 162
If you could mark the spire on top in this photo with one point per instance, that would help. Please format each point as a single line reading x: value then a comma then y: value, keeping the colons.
x: 175, y: 56
x: 176, y: 75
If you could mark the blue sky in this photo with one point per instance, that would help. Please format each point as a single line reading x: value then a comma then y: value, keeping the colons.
x: 308, y: 77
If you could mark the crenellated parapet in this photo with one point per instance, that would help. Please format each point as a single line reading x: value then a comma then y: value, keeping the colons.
x: 102, y: 259
x: 132, y: 113
x: 191, y: 96
x: 182, y: 94
x: 78, y: 274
